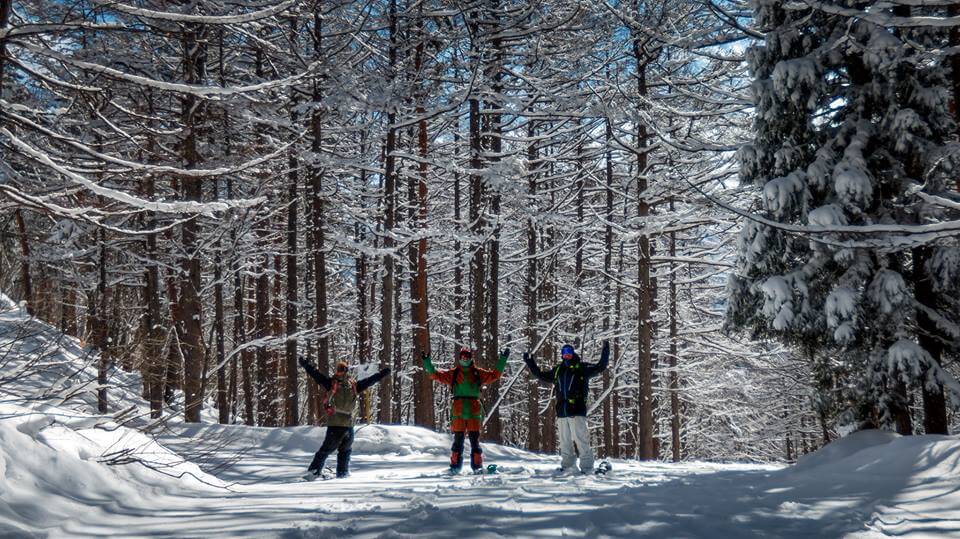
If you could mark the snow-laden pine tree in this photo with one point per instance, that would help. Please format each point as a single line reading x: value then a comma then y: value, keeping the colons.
x: 852, y: 132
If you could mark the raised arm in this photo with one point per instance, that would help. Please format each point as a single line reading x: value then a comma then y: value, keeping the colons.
x: 535, y: 370
x: 372, y: 379
x: 444, y: 377
x: 317, y: 376
x: 488, y: 376
x: 592, y: 369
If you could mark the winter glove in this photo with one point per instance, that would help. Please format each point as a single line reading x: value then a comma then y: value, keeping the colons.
x: 505, y: 352
x: 526, y: 357
x: 385, y: 371
x: 303, y: 362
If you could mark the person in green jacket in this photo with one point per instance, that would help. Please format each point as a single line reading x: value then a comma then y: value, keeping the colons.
x: 343, y: 392
x: 466, y: 379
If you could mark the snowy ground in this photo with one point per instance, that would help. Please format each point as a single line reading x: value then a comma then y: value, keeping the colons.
x: 230, y: 481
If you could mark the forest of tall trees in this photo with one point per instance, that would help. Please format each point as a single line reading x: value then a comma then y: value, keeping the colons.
x: 206, y: 191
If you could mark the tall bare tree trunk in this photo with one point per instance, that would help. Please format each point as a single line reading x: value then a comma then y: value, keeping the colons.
x: 291, y: 391
x: 99, y: 326
x: 423, y: 392
x: 607, y: 288
x: 25, y: 276
x: 191, y: 307
x: 674, y: 375
x: 931, y: 340
x: 265, y: 378
x: 645, y: 401
x: 531, y: 290
x: 250, y: 388
x: 389, y: 195
x: 316, y: 213
x: 152, y: 320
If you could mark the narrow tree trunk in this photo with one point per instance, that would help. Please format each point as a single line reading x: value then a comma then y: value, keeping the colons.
x: 248, y: 355
x: 317, y: 210
x: 98, y: 320
x: 292, y: 396
x: 153, y: 370
x: 262, y: 330
x: 191, y: 344
x: 389, y: 216
x: 607, y: 287
x: 929, y: 338
x: 423, y: 402
x: 674, y: 375
x: 531, y: 290
x: 25, y: 276
x: 645, y: 402
x: 223, y: 404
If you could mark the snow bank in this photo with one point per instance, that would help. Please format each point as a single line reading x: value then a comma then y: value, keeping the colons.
x: 845, y: 447
x: 876, y: 453
x: 55, y: 466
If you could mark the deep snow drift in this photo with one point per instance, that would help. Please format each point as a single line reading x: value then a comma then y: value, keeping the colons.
x: 228, y: 481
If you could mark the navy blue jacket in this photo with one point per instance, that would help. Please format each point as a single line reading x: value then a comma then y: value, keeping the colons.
x: 571, y: 381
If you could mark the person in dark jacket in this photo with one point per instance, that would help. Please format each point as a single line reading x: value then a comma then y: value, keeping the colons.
x: 571, y: 386
x: 342, y: 395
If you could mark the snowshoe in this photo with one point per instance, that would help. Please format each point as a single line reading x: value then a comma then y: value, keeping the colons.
x: 311, y: 475
x: 454, y: 470
x: 603, y: 468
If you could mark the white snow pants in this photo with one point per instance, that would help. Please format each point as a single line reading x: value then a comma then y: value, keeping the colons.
x: 574, y: 432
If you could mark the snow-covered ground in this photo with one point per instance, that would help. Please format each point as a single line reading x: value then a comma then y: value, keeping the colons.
x: 228, y: 481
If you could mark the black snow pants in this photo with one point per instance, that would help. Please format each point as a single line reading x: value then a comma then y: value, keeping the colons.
x: 456, y: 452
x: 341, y: 440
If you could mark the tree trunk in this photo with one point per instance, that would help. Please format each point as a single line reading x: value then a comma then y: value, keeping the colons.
x: 98, y: 323
x: 25, y: 276
x: 292, y: 396
x: 423, y: 392
x: 389, y: 217
x: 153, y: 335
x: 531, y: 291
x: 607, y: 287
x: 645, y: 402
x: 247, y: 356
x: 265, y: 378
x: 191, y: 344
x: 930, y: 339
x: 316, y: 212
x: 223, y: 404
x: 674, y: 375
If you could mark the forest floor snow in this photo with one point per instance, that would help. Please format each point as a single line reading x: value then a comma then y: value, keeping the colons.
x: 63, y: 475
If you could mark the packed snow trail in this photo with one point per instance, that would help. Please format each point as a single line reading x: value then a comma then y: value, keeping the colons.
x: 236, y: 481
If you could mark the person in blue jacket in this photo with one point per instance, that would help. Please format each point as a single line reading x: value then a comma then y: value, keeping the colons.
x: 571, y: 387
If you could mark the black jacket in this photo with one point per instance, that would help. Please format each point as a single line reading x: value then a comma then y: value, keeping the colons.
x: 571, y: 381
x: 327, y: 383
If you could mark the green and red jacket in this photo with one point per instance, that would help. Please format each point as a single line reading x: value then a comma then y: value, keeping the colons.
x: 466, y: 383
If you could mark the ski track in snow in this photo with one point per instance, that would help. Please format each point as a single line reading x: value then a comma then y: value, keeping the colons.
x: 245, y: 481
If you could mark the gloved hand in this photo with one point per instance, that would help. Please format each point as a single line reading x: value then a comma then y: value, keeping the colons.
x: 505, y: 352
x: 385, y: 371
x: 526, y: 356
x: 302, y: 362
